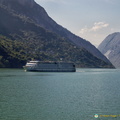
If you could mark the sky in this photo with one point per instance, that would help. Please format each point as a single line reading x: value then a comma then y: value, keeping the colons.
x: 92, y: 20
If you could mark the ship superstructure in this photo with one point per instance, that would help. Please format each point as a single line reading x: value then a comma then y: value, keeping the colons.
x: 49, y: 66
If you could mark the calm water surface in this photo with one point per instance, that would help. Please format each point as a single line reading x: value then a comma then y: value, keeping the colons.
x: 60, y: 96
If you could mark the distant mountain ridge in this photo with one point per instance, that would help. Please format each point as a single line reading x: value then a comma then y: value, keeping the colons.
x: 110, y: 47
x: 36, y: 35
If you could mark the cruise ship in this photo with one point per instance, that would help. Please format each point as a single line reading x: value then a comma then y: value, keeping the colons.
x: 41, y: 66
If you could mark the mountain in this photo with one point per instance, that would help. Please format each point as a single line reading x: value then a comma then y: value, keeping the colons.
x: 26, y: 31
x: 110, y: 47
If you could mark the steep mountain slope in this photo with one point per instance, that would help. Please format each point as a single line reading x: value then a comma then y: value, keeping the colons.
x: 21, y: 39
x: 110, y: 47
x: 33, y: 11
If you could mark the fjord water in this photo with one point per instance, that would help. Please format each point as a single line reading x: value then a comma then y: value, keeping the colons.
x: 60, y: 96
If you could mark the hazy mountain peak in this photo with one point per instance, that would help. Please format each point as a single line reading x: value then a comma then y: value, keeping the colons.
x: 110, y: 47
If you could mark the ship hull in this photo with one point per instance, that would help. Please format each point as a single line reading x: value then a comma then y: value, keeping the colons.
x: 57, y: 70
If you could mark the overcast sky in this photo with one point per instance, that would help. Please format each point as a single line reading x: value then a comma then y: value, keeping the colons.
x: 92, y: 20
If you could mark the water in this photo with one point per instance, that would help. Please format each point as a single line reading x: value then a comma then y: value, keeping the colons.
x: 60, y: 96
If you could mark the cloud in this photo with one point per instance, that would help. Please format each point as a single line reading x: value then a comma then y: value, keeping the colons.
x: 96, y: 27
x: 99, y: 25
x: 84, y: 30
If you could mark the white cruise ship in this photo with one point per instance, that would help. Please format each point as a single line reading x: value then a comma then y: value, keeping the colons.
x: 49, y: 66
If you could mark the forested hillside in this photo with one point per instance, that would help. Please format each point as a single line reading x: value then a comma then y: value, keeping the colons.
x: 15, y: 54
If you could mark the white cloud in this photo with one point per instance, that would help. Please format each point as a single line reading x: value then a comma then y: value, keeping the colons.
x: 96, y: 33
x: 99, y: 25
x: 96, y: 27
x: 84, y: 30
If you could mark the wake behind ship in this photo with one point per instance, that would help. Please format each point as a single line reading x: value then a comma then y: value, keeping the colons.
x: 40, y: 66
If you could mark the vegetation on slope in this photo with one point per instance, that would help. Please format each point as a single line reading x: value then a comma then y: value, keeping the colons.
x: 15, y: 54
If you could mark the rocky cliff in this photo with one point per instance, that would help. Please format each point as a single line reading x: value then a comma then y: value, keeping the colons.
x: 110, y: 47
